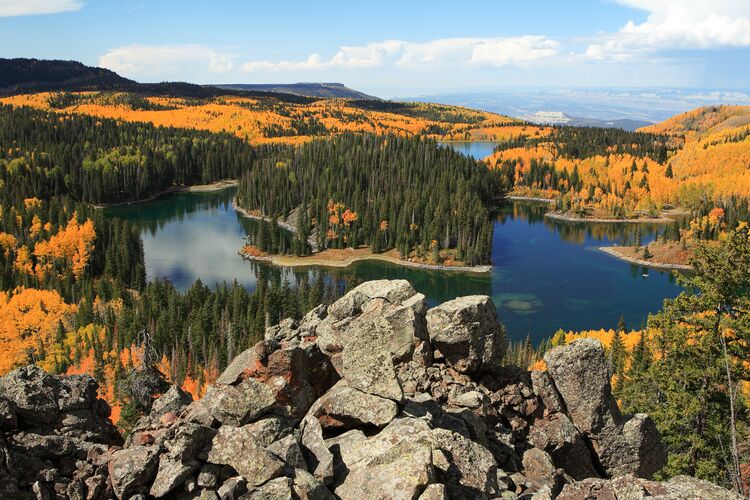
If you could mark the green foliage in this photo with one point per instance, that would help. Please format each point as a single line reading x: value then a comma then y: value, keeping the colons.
x: 396, y: 187
x: 98, y: 160
x: 683, y: 383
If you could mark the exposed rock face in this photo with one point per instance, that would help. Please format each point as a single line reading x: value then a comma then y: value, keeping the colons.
x: 48, y: 427
x: 372, y: 397
x: 580, y: 374
x: 633, y: 488
x: 467, y: 333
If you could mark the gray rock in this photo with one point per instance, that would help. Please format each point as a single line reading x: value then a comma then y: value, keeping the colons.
x: 434, y: 491
x: 581, y: 375
x: 469, y: 469
x: 306, y: 487
x: 288, y: 449
x: 240, y: 404
x: 355, y: 301
x: 8, y: 414
x: 34, y: 393
x: 467, y: 333
x: 557, y: 435
x: 545, y: 389
x: 344, y: 407
x: 175, y: 400
x: 208, y: 477
x: 408, y: 326
x: 366, y: 359
x: 401, y: 472
x: 234, y: 372
x: 275, y: 489
x: 238, y: 448
x: 319, y: 458
x: 630, y: 487
x: 181, y: 459
x: 132, y: 470
x: 233, y: 488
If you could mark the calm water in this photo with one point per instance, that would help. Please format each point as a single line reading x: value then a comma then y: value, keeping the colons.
x: 477, y: 150
x: 547, y: 275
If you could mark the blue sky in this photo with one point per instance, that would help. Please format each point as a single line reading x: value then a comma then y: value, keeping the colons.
x: 395, y: 47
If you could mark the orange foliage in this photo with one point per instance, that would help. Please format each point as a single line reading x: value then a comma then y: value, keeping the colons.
x: 28, y: 320
x: 73, y: 244
x: 251, y: 118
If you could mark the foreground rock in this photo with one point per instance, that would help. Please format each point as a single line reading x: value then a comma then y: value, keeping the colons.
x: 580, y: 374
x: 51, y: 430
x: 372, y: 397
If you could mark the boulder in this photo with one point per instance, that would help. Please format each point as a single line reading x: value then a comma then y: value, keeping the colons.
x: 319, y: 458
x: 633, y: 488
x: 466, y: 332
x: 545, y: 390
x: 239, y: 448
x: 240, y: 404
x: 181, y: 459
x: 288, y: 449
x: 34, y: 392
x: 232, y: 488
x: 556, y: 435
x: 355, y: 301
x: 581, y: 376
x: 434, y: 491
x: 366, y: 359
x: 132, y: 470
x: 344, y: 407
x: 306, y: 487
x: 275, y: 489
x: 401, y: 472
x: 466, y: 468
x: 174, y: 401
x: 297, y: 375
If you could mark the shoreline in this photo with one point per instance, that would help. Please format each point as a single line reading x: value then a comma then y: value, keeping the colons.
x: 316, y: 260
x: 249, y: 215
x: 598, y: 220
x: 529, y: 198
x: 613, y: 251
x: 195, y: 188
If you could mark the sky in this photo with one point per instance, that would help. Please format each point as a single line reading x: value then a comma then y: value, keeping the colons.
x: 390, y: 48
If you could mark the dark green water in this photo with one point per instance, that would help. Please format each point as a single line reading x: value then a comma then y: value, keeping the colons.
x: 547, y: 275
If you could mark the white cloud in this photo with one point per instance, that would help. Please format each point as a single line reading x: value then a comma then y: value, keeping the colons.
x: 675, y: 25
x: 446, y: 51
x: 10, y: 8
x: 165, y: 60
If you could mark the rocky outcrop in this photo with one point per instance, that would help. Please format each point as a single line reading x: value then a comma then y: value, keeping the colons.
x: 372, y: 397
x: 580, y: 374
x: 52, y: 432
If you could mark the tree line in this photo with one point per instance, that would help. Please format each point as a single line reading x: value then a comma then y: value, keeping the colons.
x: 385, y: 192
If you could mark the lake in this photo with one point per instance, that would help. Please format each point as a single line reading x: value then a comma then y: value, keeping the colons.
x: 546, y: 274
x: 477, y: 150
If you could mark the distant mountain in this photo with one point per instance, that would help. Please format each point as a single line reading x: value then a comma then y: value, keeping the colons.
x: 17, y: 75
x: 310, y: 89
x: 560, y: 118
x: 607, y: 104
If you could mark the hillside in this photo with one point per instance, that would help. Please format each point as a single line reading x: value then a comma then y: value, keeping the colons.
x: 281, y: 118
x: 18, y: 75
x: 310, y: 89
x: 700, y: 156
x: 705, y: 121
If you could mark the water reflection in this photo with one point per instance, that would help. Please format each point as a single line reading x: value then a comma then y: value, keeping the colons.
x: 547, y: 274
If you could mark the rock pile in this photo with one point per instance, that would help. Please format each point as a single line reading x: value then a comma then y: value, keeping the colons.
x: 372, y: 397
x: 54, y: 435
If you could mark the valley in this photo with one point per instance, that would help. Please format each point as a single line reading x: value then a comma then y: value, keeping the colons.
x: 162, y: 235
